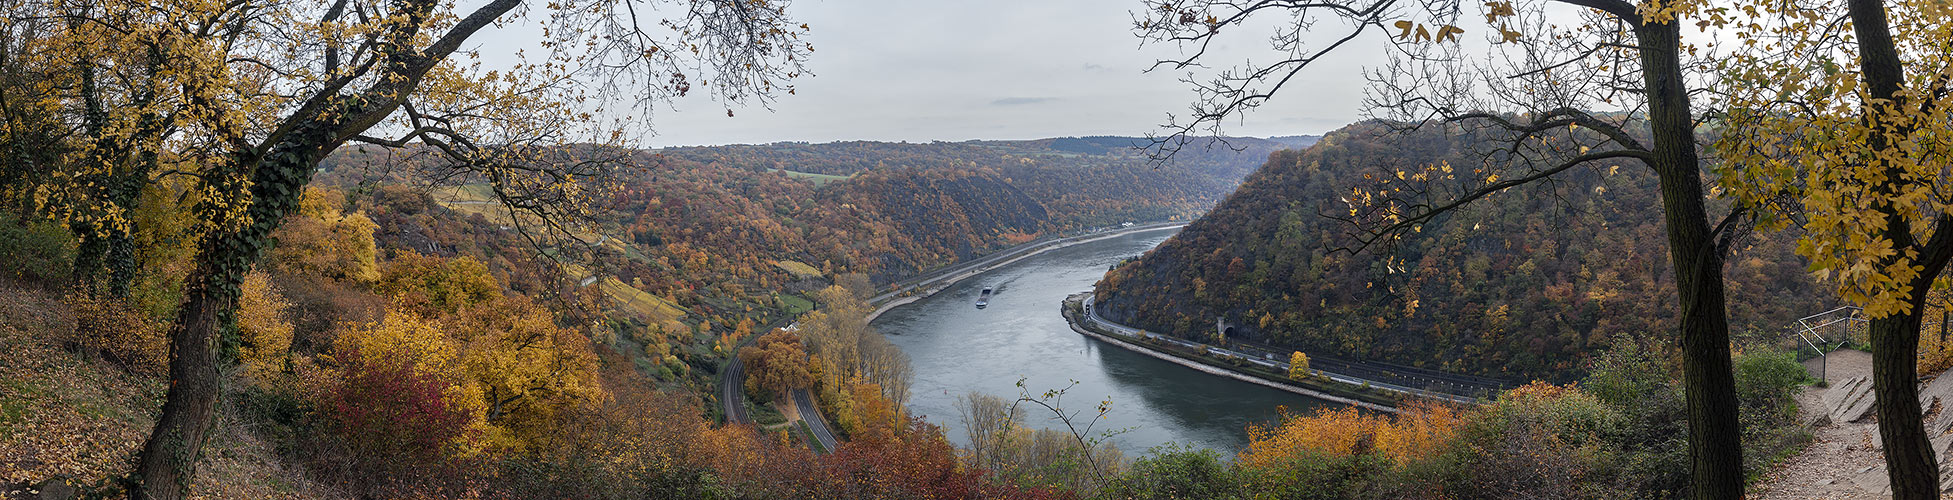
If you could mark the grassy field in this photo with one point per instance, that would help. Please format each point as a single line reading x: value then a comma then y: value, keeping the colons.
x: 654, y: 309
x: 817, y: 179
x: 479, y: 199
x: 799, y: 269
x: 794, y: 304
x: 477, y: 192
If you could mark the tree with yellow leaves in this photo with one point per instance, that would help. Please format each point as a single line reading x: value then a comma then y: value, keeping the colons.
x: 529, y: 372
x: 776, y: 363
x: 1847, y: 129
x: 251, y: 95
x: 114, y: 85
x: 433, y: 287
x: 32, y: 129
x: 850, y: 350
x: 507, y: 366
x: 1298, y: 366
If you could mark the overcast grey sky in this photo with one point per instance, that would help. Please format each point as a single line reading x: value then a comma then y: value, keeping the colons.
x: 922, y: 70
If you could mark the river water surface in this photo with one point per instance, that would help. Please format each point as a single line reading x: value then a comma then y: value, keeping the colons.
x: 957, y: 348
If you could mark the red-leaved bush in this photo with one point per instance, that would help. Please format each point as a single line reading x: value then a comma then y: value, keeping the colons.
x: 915, y: 461
x: 392, y: 415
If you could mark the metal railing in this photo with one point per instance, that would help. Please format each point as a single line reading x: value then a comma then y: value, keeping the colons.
x: 1827, y: 331
x: 1820, y: 334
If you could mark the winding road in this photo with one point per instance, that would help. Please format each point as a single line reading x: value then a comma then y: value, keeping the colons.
x: 811, y: 414
x: 731, y: 392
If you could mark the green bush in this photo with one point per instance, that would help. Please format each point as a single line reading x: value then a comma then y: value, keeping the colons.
x: 676, y: 367
x: 1173, y: 471
x: 1312, y: 476
x: 1767, y: 383
x: 1543, y: 441
x: 39, y: 252
x: 1651, y: 445
x: 764, y: 414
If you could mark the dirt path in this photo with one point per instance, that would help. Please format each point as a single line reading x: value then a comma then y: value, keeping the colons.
x: 1843, y: 460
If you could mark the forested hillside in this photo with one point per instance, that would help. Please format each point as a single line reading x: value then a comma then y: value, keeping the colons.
x: 1528, y: 284
x: 401, y: 341
x: 1083, y: 181
x: 697, y: 247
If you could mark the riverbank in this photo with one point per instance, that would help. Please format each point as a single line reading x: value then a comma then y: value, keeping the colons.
x: 1324, y: 390
x: 957, y: 349
x: 936, y: 281
x: 730, y: 384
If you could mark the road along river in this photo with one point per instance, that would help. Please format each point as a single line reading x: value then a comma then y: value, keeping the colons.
x: 957, y: 348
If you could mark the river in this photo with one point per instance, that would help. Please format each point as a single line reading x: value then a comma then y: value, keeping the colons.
x: 957, y: 348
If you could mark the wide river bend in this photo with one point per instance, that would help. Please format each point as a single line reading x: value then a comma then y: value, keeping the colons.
x: 957, y: 348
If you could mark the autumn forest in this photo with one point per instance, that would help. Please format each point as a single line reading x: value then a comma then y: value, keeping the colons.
x: 1376, y: 249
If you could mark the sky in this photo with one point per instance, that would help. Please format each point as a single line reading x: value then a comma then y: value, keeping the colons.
x: 928, y: 70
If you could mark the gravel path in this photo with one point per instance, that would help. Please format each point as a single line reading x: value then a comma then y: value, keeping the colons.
x: 1843, y: 460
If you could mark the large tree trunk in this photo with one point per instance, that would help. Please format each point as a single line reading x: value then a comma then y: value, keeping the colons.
x: 278, y: 176
x: 168, y: 461
x: 91, y: 250
x: 204, y: 337
x: 1909, y: 461
x: 130, y: 161
x: 111, y: 249
x: 126, y: 193
x: 1715, y: 435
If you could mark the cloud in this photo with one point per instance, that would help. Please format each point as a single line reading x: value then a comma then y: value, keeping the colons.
x: 1015, y: 101
x: 896, y: 70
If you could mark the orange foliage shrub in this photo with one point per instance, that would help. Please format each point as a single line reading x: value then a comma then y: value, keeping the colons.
x: 910, y: 460
x: 1418, y: 432
x: 1331, y: 431
x: 776, y: 363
